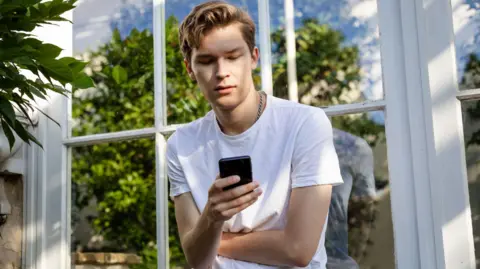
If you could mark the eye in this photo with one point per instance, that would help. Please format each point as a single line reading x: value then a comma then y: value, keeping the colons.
x: 234, y: 57
x: 205, y: 62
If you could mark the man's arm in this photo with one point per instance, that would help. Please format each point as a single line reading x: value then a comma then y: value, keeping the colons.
x: 294, y: 246
x: 195, y: 230
x: 200, y: 234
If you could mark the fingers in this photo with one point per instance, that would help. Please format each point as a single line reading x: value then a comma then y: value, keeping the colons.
x: 222, y: 205
x: 231, y: 212
x: 234, y: 193
x: 221, y: 183
x: 239, y: 201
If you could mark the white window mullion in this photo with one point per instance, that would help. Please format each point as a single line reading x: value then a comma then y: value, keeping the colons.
x: 162, y: 201
x: 291, y: 50
x: 265, y: 46
x: 467, y: 95
x: 160, y: 91
x: 67, y: 176
x: 160, y: 122
x: 398, y: 128
x: 93, y: 139
x: 420, y: 135
x: 445, y: 143
x: 29, y: 209
x: 362, y: 107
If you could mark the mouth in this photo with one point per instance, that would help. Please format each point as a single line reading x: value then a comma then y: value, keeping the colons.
x: 223, y: 88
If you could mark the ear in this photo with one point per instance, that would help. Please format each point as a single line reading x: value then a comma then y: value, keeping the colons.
x: 255, y: 57
x: 189, y: 69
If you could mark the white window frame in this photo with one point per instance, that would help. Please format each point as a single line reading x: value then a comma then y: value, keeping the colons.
x: 422, y: 111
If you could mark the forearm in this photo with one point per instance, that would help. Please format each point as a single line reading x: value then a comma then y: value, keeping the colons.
x: 264, y: 247
x: 201, y: 243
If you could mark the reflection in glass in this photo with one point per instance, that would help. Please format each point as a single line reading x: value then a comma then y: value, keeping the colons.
x: 185, y: 102
x: 116, y: 37
x: 113, y: 204
x: 338, y: 51
x: 471, y: 130
x: 466, y: 23
x: 360, y: 229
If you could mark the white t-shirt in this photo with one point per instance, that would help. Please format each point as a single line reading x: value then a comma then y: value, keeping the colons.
x: 291, y: 145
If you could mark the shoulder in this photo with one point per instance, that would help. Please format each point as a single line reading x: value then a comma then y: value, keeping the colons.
x: 297, y: 112
x: 187, y: 137
x: 303, y: 119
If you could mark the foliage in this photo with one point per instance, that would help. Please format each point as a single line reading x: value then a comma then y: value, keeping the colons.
x: 327, y: 74
x: 21, y: 51
x: 325, y: 69
x: 121, y: 176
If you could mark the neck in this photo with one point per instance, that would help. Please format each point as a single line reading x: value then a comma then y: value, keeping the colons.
x: 242, y: 117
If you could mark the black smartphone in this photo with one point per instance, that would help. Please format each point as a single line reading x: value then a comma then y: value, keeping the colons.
x: 236, y: 166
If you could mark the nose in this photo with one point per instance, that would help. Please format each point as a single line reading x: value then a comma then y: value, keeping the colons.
x: 222, y: 69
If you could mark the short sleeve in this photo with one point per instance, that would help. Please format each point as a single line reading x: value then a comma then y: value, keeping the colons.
x: 315, y: 160
x: 176, y: 177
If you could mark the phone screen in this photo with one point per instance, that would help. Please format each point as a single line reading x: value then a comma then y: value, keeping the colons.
x: 240, y: 166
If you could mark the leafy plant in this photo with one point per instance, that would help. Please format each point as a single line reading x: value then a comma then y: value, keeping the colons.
x: 121, y: 176
x: 22, y: 53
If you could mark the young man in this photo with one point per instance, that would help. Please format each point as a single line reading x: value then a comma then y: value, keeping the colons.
x: 279, y: 219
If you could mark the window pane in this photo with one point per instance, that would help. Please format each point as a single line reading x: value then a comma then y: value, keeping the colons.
x: 338, y: 51
x: 466, y: 22
x: 471, y: 129
x: 185, y: 100
x: 360, y: 228
x: 113, y: 204
x: 116, y: 37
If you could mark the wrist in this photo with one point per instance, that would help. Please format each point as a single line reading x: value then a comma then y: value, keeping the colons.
x: 211, y: 221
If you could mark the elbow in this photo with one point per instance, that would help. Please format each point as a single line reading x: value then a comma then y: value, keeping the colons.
x: 300, y: 254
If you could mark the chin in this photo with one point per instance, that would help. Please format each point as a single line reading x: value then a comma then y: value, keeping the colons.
x: 226, y: 102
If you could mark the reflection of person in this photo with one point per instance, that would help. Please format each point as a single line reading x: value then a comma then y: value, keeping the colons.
x: 294, y: 161
x: 356, y: 165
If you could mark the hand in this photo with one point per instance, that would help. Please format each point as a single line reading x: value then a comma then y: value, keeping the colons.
x: 222, y: 205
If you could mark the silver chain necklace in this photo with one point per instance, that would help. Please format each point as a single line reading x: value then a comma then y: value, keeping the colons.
x: 260, y: 106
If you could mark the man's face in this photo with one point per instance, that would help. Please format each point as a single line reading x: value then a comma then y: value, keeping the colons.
x: 222, y: 66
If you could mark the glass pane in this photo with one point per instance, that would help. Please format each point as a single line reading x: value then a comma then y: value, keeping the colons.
x: 338, y: 51
x: 471, y: 129
x: 185, y: 100
x: 466, y: 22
x: 113, y: 205
x: 116, y: 37
x: 360, y: 228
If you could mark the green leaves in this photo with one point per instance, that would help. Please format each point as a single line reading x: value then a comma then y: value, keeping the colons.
x: 121, y: 176
x: 21, y: 51
x: 8, y: 133
x: 82, y: 82
x: 49, y: 51
x: 119, y: 74
x: 56, y: 69
x: 6, y: 110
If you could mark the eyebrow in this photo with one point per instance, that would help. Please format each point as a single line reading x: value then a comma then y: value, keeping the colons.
x: 208, y: 55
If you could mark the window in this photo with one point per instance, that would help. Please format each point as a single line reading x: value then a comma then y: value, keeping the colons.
x: 372, y: 83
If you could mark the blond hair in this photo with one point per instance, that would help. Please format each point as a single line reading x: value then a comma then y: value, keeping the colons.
x: 204, y: 17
